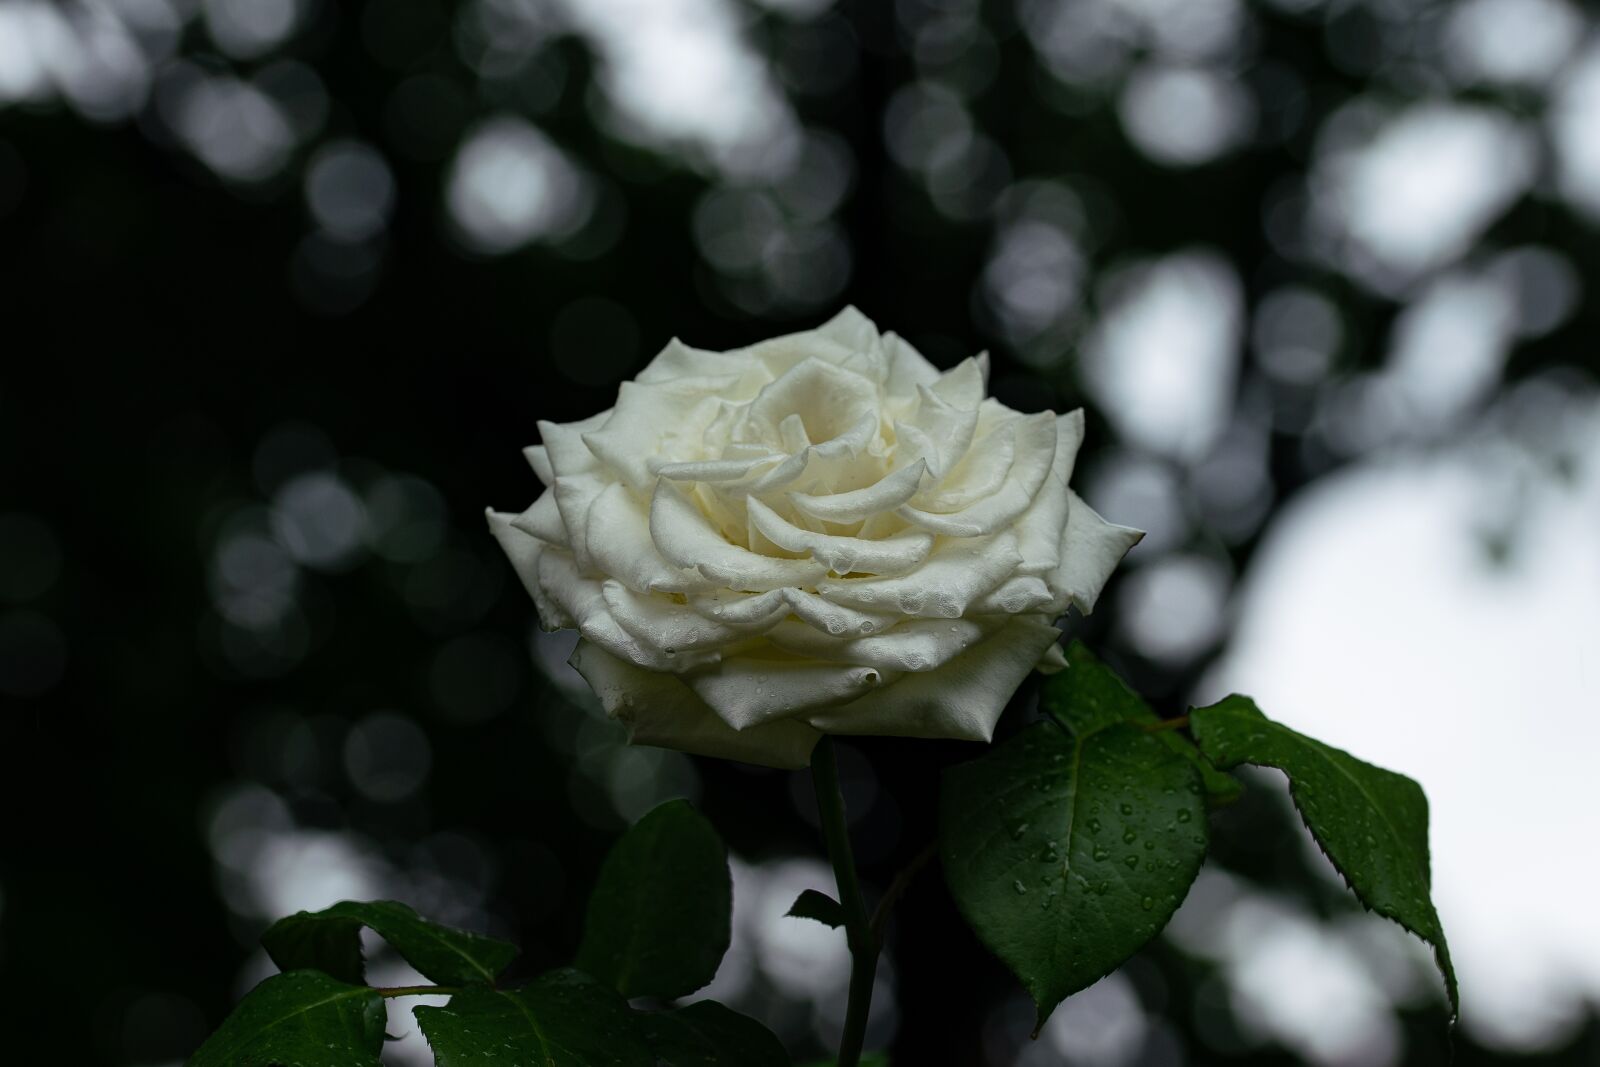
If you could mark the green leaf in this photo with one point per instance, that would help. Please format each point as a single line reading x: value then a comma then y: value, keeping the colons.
x: 660, y: 918
x: 868, y: 1059
x: 1066, y: 854
x: 562, y: 1019
x: 1371, y: 823
x: 301, y: 1019
x: 1089, y: 695
x: 819, y: 907
x: 330, y: 941
x: 706, y: 1034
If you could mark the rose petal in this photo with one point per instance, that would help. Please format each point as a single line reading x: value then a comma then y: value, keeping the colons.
x: 853, y: 505
x: 658, y: 709
x: 1040, y: 528
x: 584, y: 600
x: 666, y: 419
x: 746, y: 692
x: 955, y: 575
x: 1036, y: 448
x: 524, y: 551
x: 538, y: 457
x: 663, y: 625
x: 962, y: 699
x: 617, y: 535
x: 1091, y: 548
x: 910, y: 645
x: 685, y: 538
x: 543, y: 520
x: 842, y: 555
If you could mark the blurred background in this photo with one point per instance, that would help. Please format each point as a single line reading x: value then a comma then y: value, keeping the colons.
x: 284, y: 285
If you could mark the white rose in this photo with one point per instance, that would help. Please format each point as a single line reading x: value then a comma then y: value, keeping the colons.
x: 818, y: 533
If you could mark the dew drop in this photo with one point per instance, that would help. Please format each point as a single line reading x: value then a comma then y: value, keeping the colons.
x: 1018, y: 829
x: 1102, y: 853
x: 1184, y: 816
x: 1129, y: 837
x: 1127, y: 809
x: 1149, y: 846
x: 1094, y: 826
x: 1132, y: 862
x: 1147, y: 903
x: 1019, y: 887
x: 865, y: 627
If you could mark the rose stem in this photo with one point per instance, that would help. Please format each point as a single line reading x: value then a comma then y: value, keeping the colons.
x: 857, y: 925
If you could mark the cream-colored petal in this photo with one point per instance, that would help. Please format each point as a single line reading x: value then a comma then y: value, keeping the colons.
x: 823, y: 614
x: 954, y: 576
x: 1036, y: 448
x: 538, y: 457
x: 1040, y: 528
x: 564, y: 447
x: 663, y: 625
x: 543, y: 520
x: 853, y: 505
x: 684, y: 537
x: 1018, y: 595
x: 575, y: 495
x: 584, y: 600
x: 981, y: 472
x: 746, y: 692
x: 1091, y: 548
x: 751, y: 614
x: 908, y: 368
x: 654, y: 421
x: 659, y: 709
x: 842, y: 555
x: 617, y: 536
x: 678, y: 360
x: 909, y: 645
x: 524, y: 551
x: 718, y: 471
x: 963, y: 699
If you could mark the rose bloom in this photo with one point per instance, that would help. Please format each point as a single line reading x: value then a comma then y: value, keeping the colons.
x: 818, y: 533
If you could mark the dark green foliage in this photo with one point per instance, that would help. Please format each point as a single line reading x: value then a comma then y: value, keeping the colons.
x: 330, y: 941
x: 660, y: 918
x: 819, y: 907
x: 1066, y: 854
x: 563, y: 1019
x: 299, y: 1019
x: 706, y: 1034
x: 1088, y: 695
x: 1372, y: 823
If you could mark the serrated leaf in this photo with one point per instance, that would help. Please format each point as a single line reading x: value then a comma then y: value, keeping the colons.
x: 1371, y: 823
x: 1088, y: 696
x: 660, y: 919
x: 819, y: 907
x: 302, y: 1018
x: 562, y: 1019
x: 330, y: 941
x: 1065, y: 854
x: 707, y: 1034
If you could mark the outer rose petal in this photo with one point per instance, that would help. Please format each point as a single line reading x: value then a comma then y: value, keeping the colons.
x: 658, y: 709
x: 962, y: 699
x: 1091, y: 548
x: 747, y: 693
x: 524, y: 550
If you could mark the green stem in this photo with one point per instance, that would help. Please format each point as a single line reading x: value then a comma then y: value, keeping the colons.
x: 415, y: 991
x: 857, y: 923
